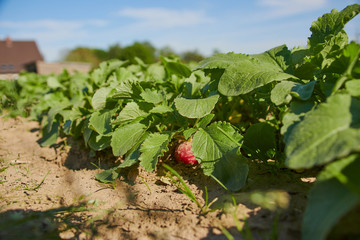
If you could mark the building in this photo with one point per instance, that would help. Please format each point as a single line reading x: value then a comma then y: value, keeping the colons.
x: 18, y: 56
x: 58, y: 67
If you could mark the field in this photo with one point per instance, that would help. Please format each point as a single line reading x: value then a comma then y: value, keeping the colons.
x: 53, y: 192
x: 237, y: 146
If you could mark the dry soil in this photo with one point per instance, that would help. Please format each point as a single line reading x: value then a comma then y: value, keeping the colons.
x: 51, y: 193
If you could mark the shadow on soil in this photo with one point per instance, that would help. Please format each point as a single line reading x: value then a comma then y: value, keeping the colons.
x: 254, y: 223
x: 71, y: 222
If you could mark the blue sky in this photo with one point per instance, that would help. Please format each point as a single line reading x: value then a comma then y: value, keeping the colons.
x: 227, y: 25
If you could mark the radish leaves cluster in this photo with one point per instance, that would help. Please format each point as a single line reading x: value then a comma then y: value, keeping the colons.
x: 298, y: 107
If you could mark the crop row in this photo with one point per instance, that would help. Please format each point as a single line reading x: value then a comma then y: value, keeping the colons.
x: 299, y: 107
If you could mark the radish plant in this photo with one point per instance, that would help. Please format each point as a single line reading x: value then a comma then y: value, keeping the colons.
x: 316, y: 91
x: 297, y: 107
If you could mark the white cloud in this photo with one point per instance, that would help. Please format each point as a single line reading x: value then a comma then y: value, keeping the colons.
x: 49, y: 29
x: 280, y: 8
x: 165, y: 18
x: 51, y: 24
x: 51, y: 34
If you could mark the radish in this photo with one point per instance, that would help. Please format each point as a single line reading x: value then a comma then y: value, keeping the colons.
x: 184, y: 154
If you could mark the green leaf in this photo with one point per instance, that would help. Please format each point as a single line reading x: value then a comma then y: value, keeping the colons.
x: 260, y: 141
x: 98, y: 142
x: 107, y: 176
x: 105, y: 69
x: 100, y: 121
x: 302, y: 68
x: 302, y: 107
x: 53, y: 112
x: 205, y: 121
x: 132, y: 111
x: 161, y: 109
x: 54, y: 83
x: 289, y: 120
x: 153, y: 96
x: 331, y: 24
x: 303, y: 91
x: 244, y: 73
x: 283, y: 91
x: 67, y: 127
x: 216, y: 148
x: 330, y: 199
x: 325, y: 134
x: 50, y: 137
x: 126, y: 136
x: 133, y: 155
x: 156, y: 72
x: 194, y: 85
x: 87, y: 131
x: 346, y: 171
x: 189, y: 132
x: 98, y: 101
x: 176, y: 68
x: 279, y: 56
x: 152, y: 148
x: 127, y: 89
x: 280, y: 94
x: 353, y: 87
x: 195, y: 108
x: 123, y: 74
x: 326, y: 53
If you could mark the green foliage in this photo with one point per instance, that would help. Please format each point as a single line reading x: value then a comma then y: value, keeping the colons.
x: 114, y: 52
x: 300, y: 105
x: 152, y: 148
x: 244, y: 73
x: 82, y: 54
x: 195, y: 108
x: 145, y: 51
x: 315, y: 90
x: 331, y: 24
x: 132, y: 132
x: 9, y: 94
x: 335, y: 193
x: 217, y: 148
x: 323, y: 136
x: 260, y: 141
x: 191, y: 56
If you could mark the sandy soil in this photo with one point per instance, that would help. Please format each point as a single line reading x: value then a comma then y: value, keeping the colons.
x: 51, y: 193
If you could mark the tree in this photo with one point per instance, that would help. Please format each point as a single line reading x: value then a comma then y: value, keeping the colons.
x: 192, y: 56
x: 101, y: 54
x: 82, y: 54
x: 145, y: 51
x: 114, y: 51
x: 166, y: 51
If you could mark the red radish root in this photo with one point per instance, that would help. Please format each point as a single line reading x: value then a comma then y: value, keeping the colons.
x: 184, y: 154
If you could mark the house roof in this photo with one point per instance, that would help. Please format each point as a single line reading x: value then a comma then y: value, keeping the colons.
x: 15, y: 55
